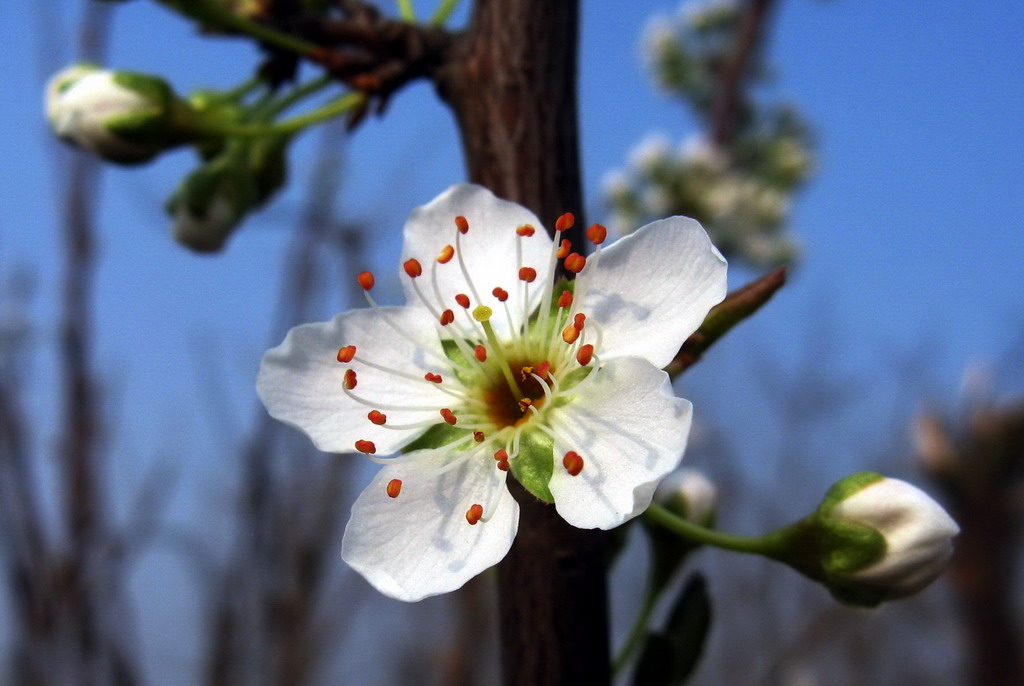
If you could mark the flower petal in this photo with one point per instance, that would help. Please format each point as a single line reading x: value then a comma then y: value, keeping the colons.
x: 301, y: 380
x: 420, y: 544
x: 653, y: 288
x: 630, y: 430
x: 488, y: 250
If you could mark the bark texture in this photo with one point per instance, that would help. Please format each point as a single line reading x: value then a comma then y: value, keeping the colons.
x: 511, y: 81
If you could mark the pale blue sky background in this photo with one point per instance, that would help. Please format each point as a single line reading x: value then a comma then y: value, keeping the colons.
x: 913, y: 228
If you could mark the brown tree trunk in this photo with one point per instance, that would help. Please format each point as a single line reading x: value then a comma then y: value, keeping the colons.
x: 511, y: 81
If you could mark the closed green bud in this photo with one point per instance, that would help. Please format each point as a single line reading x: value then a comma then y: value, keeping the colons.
x: 212, y: 201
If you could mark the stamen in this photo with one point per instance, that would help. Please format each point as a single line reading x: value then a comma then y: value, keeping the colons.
x: 543, y: 368
x: 346, y: 353
x: 446, y: 318
x: 481, y: 353
x: 544, y: 386
x: 474, y: 513
x: 463, y: 300
x: 500, y: 293
x: 394, y: 487
x: 526, y: 404
x: 579, y: 321
x: 433, y: 378
x: 564, y: 248
x: 503, y: 465
x: 585, y: 354
x: 525, y: 230
x: 479, y: 436
x: 412, y: 267
x: 350, y: 379
x: 527, y: 274
x: 597, y: 234
x: 462, y: 224
x: 573, y: 463
x: 365, y: 280
x: 570, y: 334
x: 565, y: 299
x: 482, y: 314
x: 501, y: 455
x: 447, y: 253
x: 377, y: 417
x: 566, y: 221
x: 575, y: 263
x: 448, y: 416
x: 366, y: 447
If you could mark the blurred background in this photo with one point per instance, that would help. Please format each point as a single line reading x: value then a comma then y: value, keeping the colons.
x: 158, y: 528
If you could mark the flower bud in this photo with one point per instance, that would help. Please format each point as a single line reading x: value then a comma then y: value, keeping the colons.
x: 880, y: 539
x: 211, y: 201
x: 123, y: 117
x: 690, y: 494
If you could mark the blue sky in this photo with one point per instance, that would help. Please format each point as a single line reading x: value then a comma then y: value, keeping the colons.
x: 913, y: 227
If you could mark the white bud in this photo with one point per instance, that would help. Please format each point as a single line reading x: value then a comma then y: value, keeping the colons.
x: 689, y: 493
x: 59, y: 83
x: 119, y: 116
x: 918, y: 535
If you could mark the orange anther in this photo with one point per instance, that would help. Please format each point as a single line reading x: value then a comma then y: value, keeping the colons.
x: 366, y: 447
x: 478, y: 436
x: 542, y: 369
x: 526, y: 230
x: 447, y: 317
x: 480, y: 353
x: 366, y: 280
x: 563, y: 248
x: 525, y: 372
x: 350, y: 379
x: 347, y: 353
x: 503, y: 465
x: 412, y: 267
x: 579, y: 321
x: 501, y: 455
x: 570, y: 334
x: 573, y: 463
x: 448, y: 416
x: 597, y: 234
x: 565, y: 299
x: 565, y: 222
x: 377, y: 417
x: 447, y: 253
x: 462, y: 299
x: 527, y: 274
x: 575, y: 263
x: 474, y: 513
x: 462, y: 224
x: 394, y: 488
x: 432, y: 378
x: 585, y: 354
x: 524, y: 404
x: 500, y: 293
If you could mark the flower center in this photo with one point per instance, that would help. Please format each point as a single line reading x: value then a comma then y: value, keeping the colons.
x: 506, y: 408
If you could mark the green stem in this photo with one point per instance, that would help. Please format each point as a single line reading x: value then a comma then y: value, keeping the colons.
x: 405, y: 11
x: 212, y: 12
x: 443, y: 12
x: 771, y: 545
x: 639, y: 628
x: 295, y: 95
x: 293, y: 125
x: 243, y: 89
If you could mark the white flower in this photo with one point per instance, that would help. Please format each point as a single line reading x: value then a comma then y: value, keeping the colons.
x: 650, y: 153
x: 490, y: 367
x: 917, y: 534
x: 100, y: 110
x: 689, y: 493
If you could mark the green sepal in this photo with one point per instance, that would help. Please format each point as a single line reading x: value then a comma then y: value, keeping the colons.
x: 535, y: 464
x: 844, y: 488
x: 151, y: 126
x: 848, y: 546
x: 437, y: 436
x: 452, y: 352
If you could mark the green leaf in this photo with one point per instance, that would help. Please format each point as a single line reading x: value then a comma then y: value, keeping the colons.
x: 535, y: 463
x: 670, y: 657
